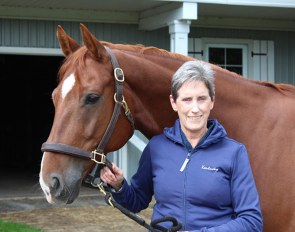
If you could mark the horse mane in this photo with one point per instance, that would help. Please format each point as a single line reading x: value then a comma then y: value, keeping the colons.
x: 78, y: 58
x: 285, y: 89
x: 282, y: 88
x: 146, y: 50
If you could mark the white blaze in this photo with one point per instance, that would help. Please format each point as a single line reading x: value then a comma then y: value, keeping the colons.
x: 68, y: 85
x: 44, y: 187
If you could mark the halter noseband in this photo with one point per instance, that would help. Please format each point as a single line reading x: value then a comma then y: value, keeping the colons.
x: 98, y: 155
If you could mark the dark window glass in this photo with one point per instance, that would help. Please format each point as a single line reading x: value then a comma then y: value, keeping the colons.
x: 234, y: 56
x: 217, y: 56
x: 237, y: 70
x: 228, y: 58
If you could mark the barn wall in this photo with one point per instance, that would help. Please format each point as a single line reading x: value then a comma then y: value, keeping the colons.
x: 42, y: 34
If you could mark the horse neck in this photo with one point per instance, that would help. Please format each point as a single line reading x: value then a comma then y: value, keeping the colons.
x: 242, y: 103
x: 148, y: 79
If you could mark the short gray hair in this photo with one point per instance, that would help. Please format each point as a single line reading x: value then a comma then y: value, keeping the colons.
x: 193, y: 71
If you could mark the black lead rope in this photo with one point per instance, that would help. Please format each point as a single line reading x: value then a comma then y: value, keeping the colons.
x: 154, y: 227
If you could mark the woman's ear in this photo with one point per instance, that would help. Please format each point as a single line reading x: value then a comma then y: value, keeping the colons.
x: 173, y: 104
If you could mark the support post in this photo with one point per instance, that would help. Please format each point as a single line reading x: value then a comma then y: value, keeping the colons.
x: 179, y: 30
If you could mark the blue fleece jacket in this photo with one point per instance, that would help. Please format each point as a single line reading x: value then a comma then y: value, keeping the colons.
x: 214, y: 192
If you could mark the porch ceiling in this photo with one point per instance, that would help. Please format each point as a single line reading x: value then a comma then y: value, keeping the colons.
x: 130, y: 11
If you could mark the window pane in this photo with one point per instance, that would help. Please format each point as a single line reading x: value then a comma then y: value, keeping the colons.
x: 217, y: 55
x: 237, y: 70
x: 234, y: 56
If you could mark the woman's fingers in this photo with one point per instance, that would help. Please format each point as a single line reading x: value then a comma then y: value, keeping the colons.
x: 114, y: 178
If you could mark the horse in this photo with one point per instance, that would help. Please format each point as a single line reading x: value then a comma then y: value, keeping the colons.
x: 105, y: 91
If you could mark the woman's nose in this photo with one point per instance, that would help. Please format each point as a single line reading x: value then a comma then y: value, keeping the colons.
x: 195, y: 106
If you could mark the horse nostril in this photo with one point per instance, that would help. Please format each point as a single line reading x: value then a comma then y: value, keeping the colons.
x: 55, y: 183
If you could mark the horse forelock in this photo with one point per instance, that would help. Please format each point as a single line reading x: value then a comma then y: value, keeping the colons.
x: 74, y: 61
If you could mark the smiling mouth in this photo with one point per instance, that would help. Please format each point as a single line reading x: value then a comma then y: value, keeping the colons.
x: 195, y: 117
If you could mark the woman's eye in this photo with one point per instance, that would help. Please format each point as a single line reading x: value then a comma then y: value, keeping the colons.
x: 91, y: 99
x: 202, y: 98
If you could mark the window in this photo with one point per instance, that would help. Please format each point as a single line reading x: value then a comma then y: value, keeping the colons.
x: 253, y: 59
x: 231, y: 54
x: 230, y: 57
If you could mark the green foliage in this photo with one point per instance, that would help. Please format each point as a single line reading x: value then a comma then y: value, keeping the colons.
x: 6, y: 226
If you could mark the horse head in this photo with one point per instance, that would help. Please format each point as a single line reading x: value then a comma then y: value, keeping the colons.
x: 85, y: 99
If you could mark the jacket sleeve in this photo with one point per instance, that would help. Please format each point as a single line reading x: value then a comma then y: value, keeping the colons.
x: 244, y: 197
x: 137, y: 196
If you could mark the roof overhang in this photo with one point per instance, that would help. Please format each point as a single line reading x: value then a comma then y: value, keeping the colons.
x: 153, y: 14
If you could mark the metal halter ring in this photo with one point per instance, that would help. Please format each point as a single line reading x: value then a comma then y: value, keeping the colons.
x: 118, y: 101
x: 123, y: 103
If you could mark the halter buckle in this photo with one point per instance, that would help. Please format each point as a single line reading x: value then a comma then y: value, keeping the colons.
x: 119, y: 74
x: 96, y: 154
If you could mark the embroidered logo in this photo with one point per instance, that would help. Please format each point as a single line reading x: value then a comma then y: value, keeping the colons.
x: 208, y: 168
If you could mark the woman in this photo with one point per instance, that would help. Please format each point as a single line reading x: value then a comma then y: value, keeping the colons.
x: 194, y: 171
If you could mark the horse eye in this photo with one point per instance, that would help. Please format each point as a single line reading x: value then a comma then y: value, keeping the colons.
x: 91, y: 99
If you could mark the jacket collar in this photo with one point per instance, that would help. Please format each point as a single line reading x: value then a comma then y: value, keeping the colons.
x: 213, y: 135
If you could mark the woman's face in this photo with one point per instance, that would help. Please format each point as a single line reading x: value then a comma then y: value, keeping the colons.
x: 193, y: 105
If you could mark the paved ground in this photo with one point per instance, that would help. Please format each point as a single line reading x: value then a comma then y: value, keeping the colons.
x: 21, y: 200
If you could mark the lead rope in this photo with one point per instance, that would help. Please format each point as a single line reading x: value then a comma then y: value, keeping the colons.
x: 154, y: 227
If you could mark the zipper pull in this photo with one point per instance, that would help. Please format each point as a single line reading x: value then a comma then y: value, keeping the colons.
x: 185, y: 163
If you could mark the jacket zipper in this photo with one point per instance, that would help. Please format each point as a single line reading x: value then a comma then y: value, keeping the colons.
x: 183, y: 167
x: 185, y: 162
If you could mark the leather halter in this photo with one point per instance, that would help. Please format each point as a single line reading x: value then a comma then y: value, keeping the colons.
x: 100, y: 159
x: 98, y: 155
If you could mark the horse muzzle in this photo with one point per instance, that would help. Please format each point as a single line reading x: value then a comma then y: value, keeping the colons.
x: 56, y: 191
x: 60, y: 187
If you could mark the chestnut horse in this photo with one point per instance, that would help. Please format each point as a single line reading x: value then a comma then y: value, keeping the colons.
x: 258, y: 114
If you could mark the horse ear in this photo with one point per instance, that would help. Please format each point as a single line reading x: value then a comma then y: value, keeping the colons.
x: 67, y: 44
x: 93, y: 45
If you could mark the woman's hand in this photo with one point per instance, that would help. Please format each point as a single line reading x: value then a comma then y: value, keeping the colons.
x: 115, y: 178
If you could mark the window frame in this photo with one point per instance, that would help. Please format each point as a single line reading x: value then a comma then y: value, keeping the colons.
x: 226, y: 46
x: 198, y: 49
